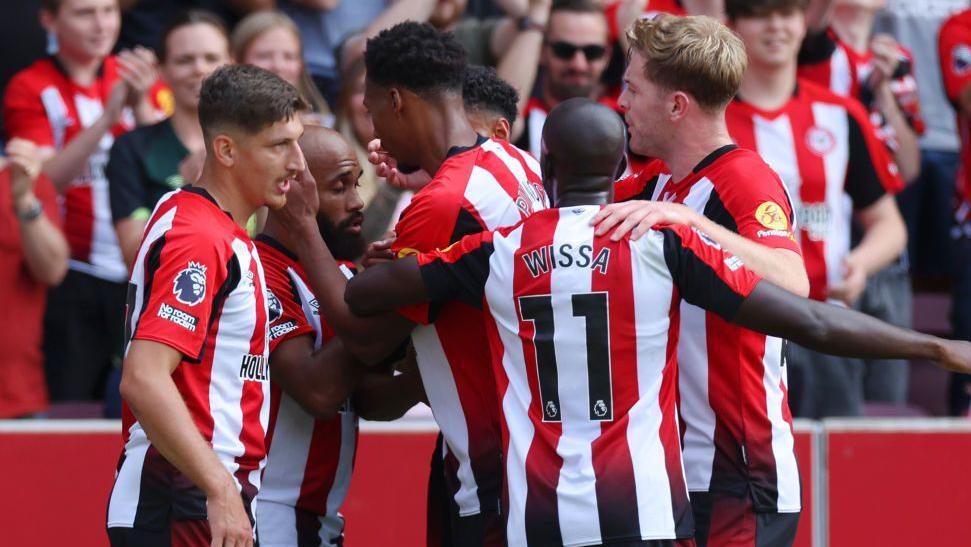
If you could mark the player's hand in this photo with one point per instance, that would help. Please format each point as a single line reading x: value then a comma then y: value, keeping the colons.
x: 956, y: 356
x: 228, y: 522
x: 637, y: 217
x: 854, y: 282
x: 25, y: 160
x: 138, y: 68
x: 386, y: 166
x: 379, y: 251
x: 190, y: 168
x: 302, y: 203
x: 885, y: 59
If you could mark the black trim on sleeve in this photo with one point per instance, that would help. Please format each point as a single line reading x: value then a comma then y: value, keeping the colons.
x: 862, y: 181
x: 717, y: 212
x: 817, y: 47
x: 647, y: 191
x: 465, y: 225
x: 462, y: 280
x: 153, y: 259
x: 697, y: 282
x: 713, y: 157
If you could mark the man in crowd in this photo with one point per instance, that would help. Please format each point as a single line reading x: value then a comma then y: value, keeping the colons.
x: 75, y: 103
x: 33, y: 255
x: 195, y: 380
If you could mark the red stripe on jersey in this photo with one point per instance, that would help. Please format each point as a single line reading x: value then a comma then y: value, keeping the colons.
x: 669, y: 432
x: 612, y: 462
x: 325, y: 455
x: 79, y: 221
x: 542, y: 462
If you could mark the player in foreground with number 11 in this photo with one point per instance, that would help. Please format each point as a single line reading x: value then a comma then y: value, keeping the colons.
x: 586, y: 365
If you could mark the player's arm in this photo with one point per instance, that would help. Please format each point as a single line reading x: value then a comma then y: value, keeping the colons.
x: 783, y: 267
x: 841, y: 331
x: 328, y: 282
x: 382, y: 396
x: 319, y: 381
x: 386, y: 287
x: 147, y: 387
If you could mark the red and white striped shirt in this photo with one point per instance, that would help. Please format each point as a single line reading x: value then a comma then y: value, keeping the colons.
x: 954, y: 44
x: 198, y: 287
x: 733, y: 388
x: 831, y: 161
x: 586, y: 367
x: 651, y: 9
x: 491, y: 185
x: 310, y: 461
x: 42, y: 104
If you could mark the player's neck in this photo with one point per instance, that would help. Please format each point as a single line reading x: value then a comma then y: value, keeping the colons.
x: 81, y: 71
x: 768, y: 87
x: 702, y: 135
x: 185, y: 124
x: 854, y: 26
x: 446, y: 127
x: 274, y: 229
x: 580, y: 199
x: 224, y: 188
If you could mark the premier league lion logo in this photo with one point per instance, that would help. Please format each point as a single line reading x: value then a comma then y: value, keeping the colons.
x: 189, y: 286
x: 273, y: 303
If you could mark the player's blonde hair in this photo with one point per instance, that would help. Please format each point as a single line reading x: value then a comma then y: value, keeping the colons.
x: 695, y: 54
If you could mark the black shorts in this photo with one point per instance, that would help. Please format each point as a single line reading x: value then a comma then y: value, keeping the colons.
x: 180, y: 533
x: 723, y: 519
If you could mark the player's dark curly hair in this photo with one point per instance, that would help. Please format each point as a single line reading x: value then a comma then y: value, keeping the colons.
x: 485, y: 91
x: 417, y: 57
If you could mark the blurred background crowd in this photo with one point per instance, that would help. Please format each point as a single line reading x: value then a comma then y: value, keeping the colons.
x: 103, y: 95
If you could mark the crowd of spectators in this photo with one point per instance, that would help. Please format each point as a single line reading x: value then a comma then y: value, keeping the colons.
x: 100, y: 121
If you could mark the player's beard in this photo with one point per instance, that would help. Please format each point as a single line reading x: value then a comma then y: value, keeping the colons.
x: 342, y: 245
x: 563, y: 91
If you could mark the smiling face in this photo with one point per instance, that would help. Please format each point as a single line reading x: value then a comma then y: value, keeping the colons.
x: 772, y: 40
x: 266, y: 162
x: 276, y: 50
x: 575, y: 54
x: 86, y: 30
x: 192, y: 53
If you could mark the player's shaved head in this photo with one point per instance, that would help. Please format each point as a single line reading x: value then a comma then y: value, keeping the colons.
x: 583, y: 151
x: 323, y: 147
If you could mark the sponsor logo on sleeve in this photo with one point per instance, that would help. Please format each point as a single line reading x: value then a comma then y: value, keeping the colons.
x: 286, y: 327
x: 181, y: 318
x: 733, y: 262
x: 189, y: 286
x: 274, y: 305
x: 770, y: 215
x: 407, y: 251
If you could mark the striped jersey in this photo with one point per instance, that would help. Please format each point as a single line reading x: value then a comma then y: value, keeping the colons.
x: 732, y: 383
x: 42, y: 104
x: 310, y: 461
x: 488, y: 186
x: 586, y: 368
x: 832, y: 162
x: 651, y: 9
x: 197, y: 286
x: 832, y: 63
x: 954, y: 44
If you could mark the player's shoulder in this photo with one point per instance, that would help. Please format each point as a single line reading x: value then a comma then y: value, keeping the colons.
x: 738, y: 166
x: 35, y: 77
x: 634, y: 185
x: 192, y: 215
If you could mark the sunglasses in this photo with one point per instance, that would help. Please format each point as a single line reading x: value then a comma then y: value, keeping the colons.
x: 566, y: 50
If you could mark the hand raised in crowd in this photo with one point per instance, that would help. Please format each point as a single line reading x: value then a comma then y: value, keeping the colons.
x: 387, y: 167
x: 885, y: 59
x: 379, y: 251
x: 25, y: 162
x: 854, y: 282
x: 302, y: 202
x: 637, y: 217
x: 138, y: 68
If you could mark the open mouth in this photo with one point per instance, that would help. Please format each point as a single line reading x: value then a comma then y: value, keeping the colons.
x: 284, y: 186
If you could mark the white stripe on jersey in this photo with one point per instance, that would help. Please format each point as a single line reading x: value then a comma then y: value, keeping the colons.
x: 490, y: 198
x: 695, y: 408
x: 834, y: 118
x: 577, y: 488
x: 773, y: 142
x: 652, y: 325
x: 840, y: 73
x: 287, y: 457
x: 123, y: 504
x: 790, y: 497
x: 517, y: 397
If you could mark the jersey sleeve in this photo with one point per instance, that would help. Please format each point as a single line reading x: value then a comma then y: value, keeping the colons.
x: 704, y: 274
x: 24, y: 115
x: 433, y: 220
x: 640, y: 185
x: 287, y: 318
x: 871, y: 171
x: 126, y: 189
x: 759, y: 207
x: 458, y: 272
x: 954, y: 46
x: 188, y: 277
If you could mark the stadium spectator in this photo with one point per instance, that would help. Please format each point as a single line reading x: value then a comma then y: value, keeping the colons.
x: 76, y: 102
x: 195, y: 378
x: 955, y: 47
x: 151, y: 161
x: 841, y: 53
x: 915, y: 24
x: 314, y: 417
x: 622, y: 13
x: 682, y: 74
x: 574, y: 56
x: 271, y: 40
x: 824, y: 147
x: 33, y: 256
x: 144, y: 21
x: 591, y: 433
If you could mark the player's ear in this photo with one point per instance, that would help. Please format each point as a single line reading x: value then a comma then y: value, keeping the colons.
x: 678, y: 105
x: 501, y: 130
x: 396, y: 103
x: 224, y: 150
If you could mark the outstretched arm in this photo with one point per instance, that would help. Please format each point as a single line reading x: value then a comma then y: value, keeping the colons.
x: 386, y: 287
x: 842, y: 331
